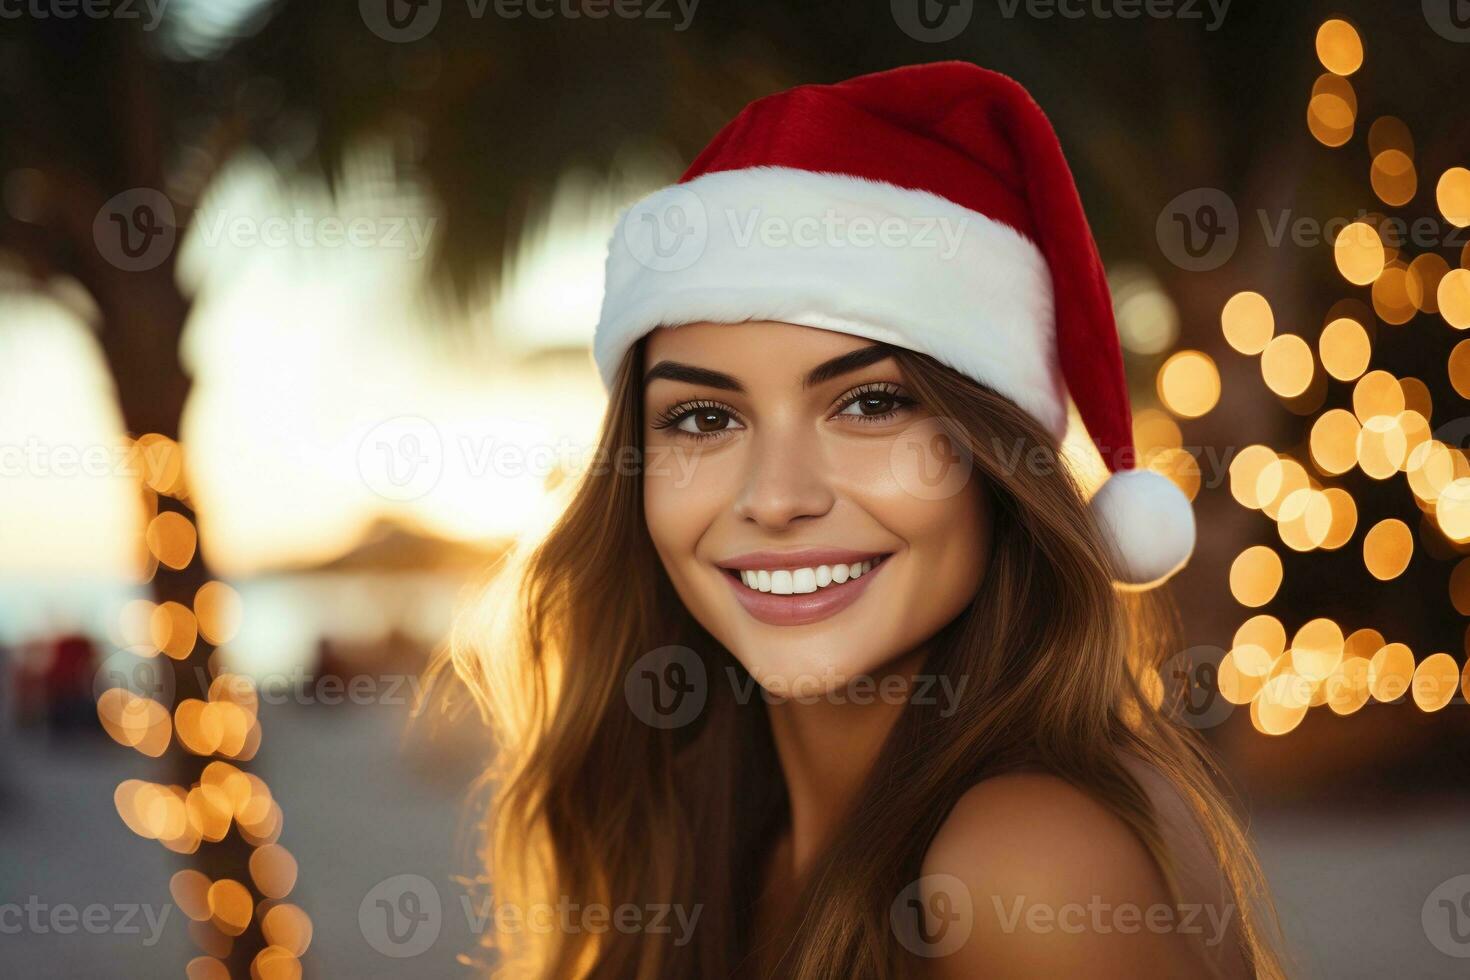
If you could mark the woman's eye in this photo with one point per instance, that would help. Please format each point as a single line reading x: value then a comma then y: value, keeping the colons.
x: 704, y: 421
x: 872, y: 403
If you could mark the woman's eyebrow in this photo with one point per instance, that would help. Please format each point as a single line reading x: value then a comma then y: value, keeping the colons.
x: 847, y: 363
x: 826, y: 371
x: 675, y: 371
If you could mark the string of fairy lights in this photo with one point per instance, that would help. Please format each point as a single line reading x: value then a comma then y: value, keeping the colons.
x: 1387, y: 435
x: 223, y: 728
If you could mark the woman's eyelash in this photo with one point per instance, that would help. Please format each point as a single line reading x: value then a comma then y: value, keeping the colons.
x: 889, y: 388
x: 675, y: 414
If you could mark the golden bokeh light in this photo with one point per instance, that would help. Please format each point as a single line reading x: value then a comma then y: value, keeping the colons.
x: 1247, y: 322
x: 1334, y: 440
x: 1189, y: 383
x: 1332, y: 111
x: 1396, y: 295
x: 1282, y: 704
x: 230, y: 906
x: 210, y: 810
x: 1452, y: 193
x: 137, y: 722
x: 173, y: 629
x: 1452, y: 509
x: 160, y: 462
x: 1344, y: 518
x: 1305, y: 519
x: 1347, y: 687
x: 1243, y: 672
x: 1387, y: 548
x: 1245, y: 474
x: 287, y: 926
x: 1382, y: 446
x: 1278, y: 480
x: 1459, y: 368
x: 1460, y: 587
x: 206, y: 968
x: 190, y: 890
x: 1431, y: 468
x: 1416, y: 397
x: 1390, y: 133
x: 219, y: 611
x: 1359, y: 253
x: 1390, y: 672
x: 1255, y: 575
x: 1377, y: 393
x: 1436, y: 680
x: 1393, y: 178
x: 1286, y: 365
x: 1339, y: 47
x: 1427, y: 271
x: 1154, y: 430
x: 1344, y: 348
x: 273, y: 869
x: 1453, y: 297
x: 171, y: 539
x: 1317, y: 649
x: 275, y: 963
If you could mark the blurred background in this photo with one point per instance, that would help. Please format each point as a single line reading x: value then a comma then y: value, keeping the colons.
x: 295, y: 301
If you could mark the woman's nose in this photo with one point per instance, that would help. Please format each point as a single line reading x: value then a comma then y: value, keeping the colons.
x: 785, y: 480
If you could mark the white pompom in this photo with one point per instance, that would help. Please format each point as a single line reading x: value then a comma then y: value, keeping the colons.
x: 1148, y: 524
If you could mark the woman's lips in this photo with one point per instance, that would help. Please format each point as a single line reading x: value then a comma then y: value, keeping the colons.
x: 798, y: 610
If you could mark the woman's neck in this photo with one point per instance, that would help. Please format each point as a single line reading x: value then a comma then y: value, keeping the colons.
x: 826, y: 747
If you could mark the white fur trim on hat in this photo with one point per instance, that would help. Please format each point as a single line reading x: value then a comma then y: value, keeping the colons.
x: 1148, y: 524
x: 841, y: 253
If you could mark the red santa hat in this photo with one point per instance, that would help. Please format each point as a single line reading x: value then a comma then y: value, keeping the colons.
x: 929, y: 207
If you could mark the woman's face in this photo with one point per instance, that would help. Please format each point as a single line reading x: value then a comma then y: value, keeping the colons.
x: 812, y: 517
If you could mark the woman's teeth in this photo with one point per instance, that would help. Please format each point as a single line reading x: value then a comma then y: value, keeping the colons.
x: 800, y: 581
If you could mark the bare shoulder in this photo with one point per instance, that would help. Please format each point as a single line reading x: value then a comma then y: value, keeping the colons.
x: 1054, y: 883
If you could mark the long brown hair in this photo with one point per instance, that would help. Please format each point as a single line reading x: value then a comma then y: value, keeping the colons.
x: 594, y: 805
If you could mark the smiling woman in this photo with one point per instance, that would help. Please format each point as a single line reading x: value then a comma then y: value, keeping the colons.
x: 844, y: 670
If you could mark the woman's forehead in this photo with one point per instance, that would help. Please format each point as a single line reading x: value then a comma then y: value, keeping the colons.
x: 764, y: 347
